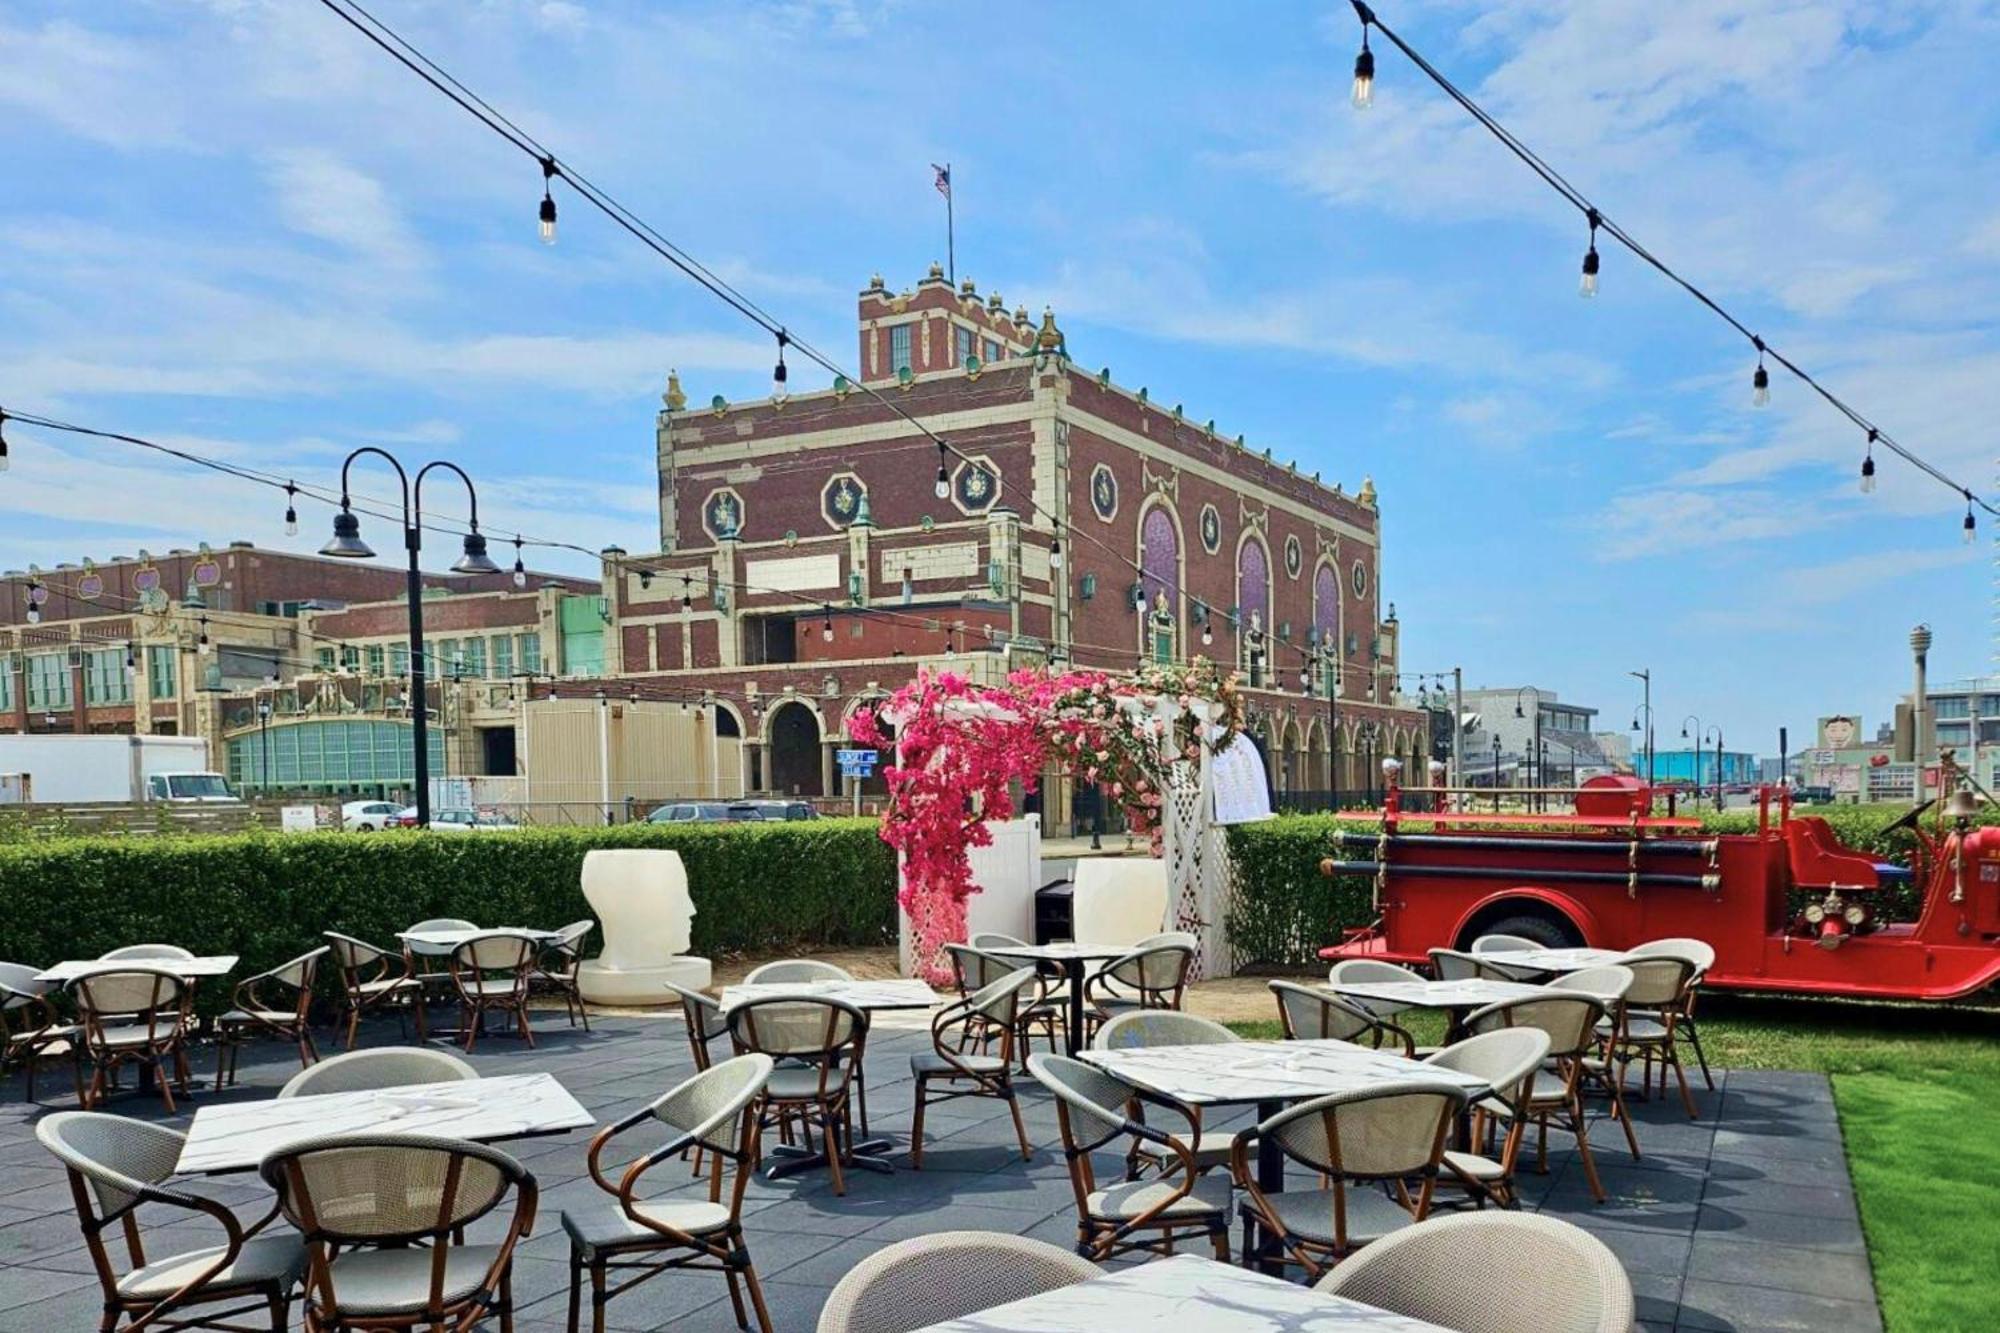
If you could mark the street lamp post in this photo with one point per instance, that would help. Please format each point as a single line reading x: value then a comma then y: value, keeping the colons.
x: 1645, y: 677
x: 1694, y: 747
x: 347, y: 545
x: 1535, y: 738
x: 1496, y: 772
x: 264, y: 742
x: 1718, y: 763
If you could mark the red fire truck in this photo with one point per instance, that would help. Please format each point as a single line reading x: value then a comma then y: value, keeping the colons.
x: 1786, y: 908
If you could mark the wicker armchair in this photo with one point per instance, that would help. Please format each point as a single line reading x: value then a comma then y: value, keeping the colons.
x: 790, y: 971
x: 378, y: 1067
x: 1646, y: 1025
x: 116, y: 1166
x: 1700, y: 955
x: 379, y: 1214
x: 264, y: 1006
x: 1149, y: 977
x: 1368, y: 970
x: 137, y: 1016
x: 1570, y: 1022
x: 1134, y: 1215
x: 373, y: 978
x: 1167, y: 1027
x: 557, y: 966
x: 995, y: 1007
x: 490, y: 973
x: 1506, y: 944
x: 1492, y: 1273
x: 716, y: 1112
x: 31, y: 1028
x: 1311, y: 1014
x: 145, y: 952
x: 973, y: 969
x: 821, y: 1043
x: 1507, y: 1059
x: 928, y: 1280
x: 1382, y: 1136
x: 430, y: 964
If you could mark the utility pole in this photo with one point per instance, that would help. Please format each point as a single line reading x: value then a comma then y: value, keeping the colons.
x: 1645, y: 676
x: 1457, y: 725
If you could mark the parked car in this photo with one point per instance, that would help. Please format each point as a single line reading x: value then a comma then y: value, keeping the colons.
x: 705, y: 812
x: 783, y: 810
x: 459, y: 820
x: 369, y: 816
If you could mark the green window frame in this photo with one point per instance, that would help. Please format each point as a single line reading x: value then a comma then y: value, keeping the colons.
x: 528, y: 652
x: 399, y: 659
x: 48, y: 681
x: 323, y: 658
x: 376, y: 659
x: 9, y: 665
x: 104, y: 678
x: 472, y: 653
x: 501, y: 649
x: 160, y: 671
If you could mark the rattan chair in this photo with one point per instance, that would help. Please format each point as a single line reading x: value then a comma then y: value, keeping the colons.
x: 274, y: 1003
x: 32, y: 1029
x: 379, y: 1214
x: 1506, y: 944
x: 137, y: 1016
x: 993, y: 939
x: 705, y: 1025
x: 1570, y: 1021
x: 715, y: 1111
x: 1311, y: 1014
x: 1492, y: 1273
x: 490, y: 973
x: 1134, y: 1214
x: 820, y: 1043
x: 995, y: 1007
x: 430, y: 964
x: 1149, y: 977
x: 1454, y: 965
x: 142, y: 952
x: 1646, y: 1025
x: 117, y: 1165
x: 1700, y: 954
x: 928, y: 1280
x: 1366, y: 971
x: 373, y: 978
x: 1610, y: 983
x: 1382, y: 1136
x: 557, y: 967
x: 972, y: 970
x: 788, y: 971
x: 1167, y: 1027
x: 378, y: 1067
x: 1507, y: 1059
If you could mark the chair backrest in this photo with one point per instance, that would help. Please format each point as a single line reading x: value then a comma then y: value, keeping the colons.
x: 1608, y: 983
x: 350, y: 953
x: 1182, y: 938
x: 1506, y: 1058
x: 134, y: 990
x: 973, y: 968
x: 1089, y: 1098
x: 1699, y: 952
x: 173, y: 951
x: 1491, y: 1272
x: 1656, y: 981
x: 1569, y: 1019
x: 572, y: 935
x: 787, y: 970
x: 444, y: 923
x: 1385, y: 1132
x: 926, y: 1280
x: 707, y: 1106
x: 806, y: 1027
x: 295, y: 975
x: 494, y: 951
x: 379, y: 1067
x: 704, y: 1018
x: 1317, y: 1015
x: 374, y: 1189
x: 115, y: 1154
x: 18, y: 985
x: 993, y: 939
x: 1160, y: 1027
x: 999, y: 1000
x: 1156, y: 969
x: 1349, y: 970
x: 1505, y: 944
x: 1451, y: 965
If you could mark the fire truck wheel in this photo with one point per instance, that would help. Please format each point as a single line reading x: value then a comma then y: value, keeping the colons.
x: 1548, y: 931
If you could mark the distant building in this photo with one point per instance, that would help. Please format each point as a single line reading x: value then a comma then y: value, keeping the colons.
x: 1520, y: 718
x: 1698, y: 766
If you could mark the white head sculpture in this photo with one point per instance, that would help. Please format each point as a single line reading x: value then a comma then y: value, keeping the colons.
x: 640, y: 896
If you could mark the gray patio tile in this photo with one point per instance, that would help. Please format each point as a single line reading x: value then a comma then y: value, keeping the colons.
x: 1805, y: 1230
x: 1828, y: 1201
x: 1726, y: 1306
x: 1748, y: 1169
x: 1782, y: 1267
x: 1656, y: 1297
x: 1755, y: 1145
x: 24, y: 1287
x: 1645, y: 1250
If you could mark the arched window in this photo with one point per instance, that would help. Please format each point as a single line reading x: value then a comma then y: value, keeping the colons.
x: 1253, y: 603
x: 1160, y: 574
x: 1326, y: 623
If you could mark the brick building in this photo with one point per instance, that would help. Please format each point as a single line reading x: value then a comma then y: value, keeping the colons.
x: 807, y: 564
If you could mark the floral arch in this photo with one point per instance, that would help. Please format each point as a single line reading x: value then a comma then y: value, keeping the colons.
x: 959, y: 749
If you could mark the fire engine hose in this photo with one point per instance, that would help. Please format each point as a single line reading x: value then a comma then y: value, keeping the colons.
x: 1664, y: 846
x: 1654, y: 879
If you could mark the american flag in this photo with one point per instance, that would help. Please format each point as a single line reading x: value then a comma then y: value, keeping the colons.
x: 943, y: 179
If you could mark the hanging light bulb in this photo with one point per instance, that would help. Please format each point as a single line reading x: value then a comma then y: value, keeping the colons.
x: 291, y: 510
x: 1587, y: 288
x: 687, y: 594
x: 3, y: 442
x: 36, y: 595
x: 201, y: 643
x: 646, y: 580
x: 1868, y: 465
x: 778, y: 391
x: 1055, y: 549
x: 520, y: 569
x: 1971, y: 523
x: 950, y: 645
x: 1364, y: 70
x: 1760, y: 382
x: 548, y: 227
x: 131, y: 662
x: 826, y: 628
x: 1207, y: 635
x: 943, y: 487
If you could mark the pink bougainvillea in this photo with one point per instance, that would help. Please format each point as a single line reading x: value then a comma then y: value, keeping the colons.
x: 962, y: 746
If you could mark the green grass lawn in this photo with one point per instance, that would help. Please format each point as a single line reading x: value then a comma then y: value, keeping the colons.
x: 1918, y: 1091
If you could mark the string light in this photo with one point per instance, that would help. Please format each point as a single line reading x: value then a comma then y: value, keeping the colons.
x: 291, y: 509
x: 1868, y: 465
x: 201, y: 643
x: 548, y: 226
x: 1760, y: 382
x: 3, y: 442
x: 1587, y: 288
x: 1364, y: 64
x: 687, y: 594
x: 131, y: 662
x: 1971, y: 523
x: 1055, y: 548
x: 826, y: 627
x: 520, y: 567
x: 1207, y: 634
x: 37, y: 594
x: 943, y: 487
x: 778, y: 390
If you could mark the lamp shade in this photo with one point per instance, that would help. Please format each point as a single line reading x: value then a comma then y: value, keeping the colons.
x: 347, y: 543
x: 475, y: 559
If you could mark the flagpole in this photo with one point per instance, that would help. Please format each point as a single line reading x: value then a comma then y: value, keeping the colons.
x: 950, y: 237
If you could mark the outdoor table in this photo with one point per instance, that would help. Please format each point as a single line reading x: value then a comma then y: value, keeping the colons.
x: 1550, y: 961
x: 187, y: 969
x: 867, y: 996
x: 1072, y: 959
x: 441, y: 943
x: 1193, y: 1294
x: 1453, y: 996
x: 239, y: 1136
x: 1269, y: 1075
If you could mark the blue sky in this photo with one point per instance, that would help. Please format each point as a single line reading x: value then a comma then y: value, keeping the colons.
x: 232, y: 224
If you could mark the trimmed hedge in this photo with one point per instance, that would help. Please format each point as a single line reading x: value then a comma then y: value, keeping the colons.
x: 1286, y: 911
x: 757, y: 887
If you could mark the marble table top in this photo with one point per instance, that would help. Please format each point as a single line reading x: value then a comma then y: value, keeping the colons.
x: 215, y: 965
x: 1188, y: 1293
x: 237, y: 1137
x: 1470, y: 993
x: 447, y: 940
x: 867, y: 995
x: 1241, y: 1072
x: 1555, y: 960
x: 1061, y: 952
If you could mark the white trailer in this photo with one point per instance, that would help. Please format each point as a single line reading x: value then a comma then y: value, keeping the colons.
x: 78, y: 770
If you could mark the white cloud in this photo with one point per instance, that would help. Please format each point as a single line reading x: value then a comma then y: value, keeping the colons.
x: 319, y: 195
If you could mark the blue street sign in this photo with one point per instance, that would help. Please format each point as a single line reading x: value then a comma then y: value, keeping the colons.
x: 856, y: 763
